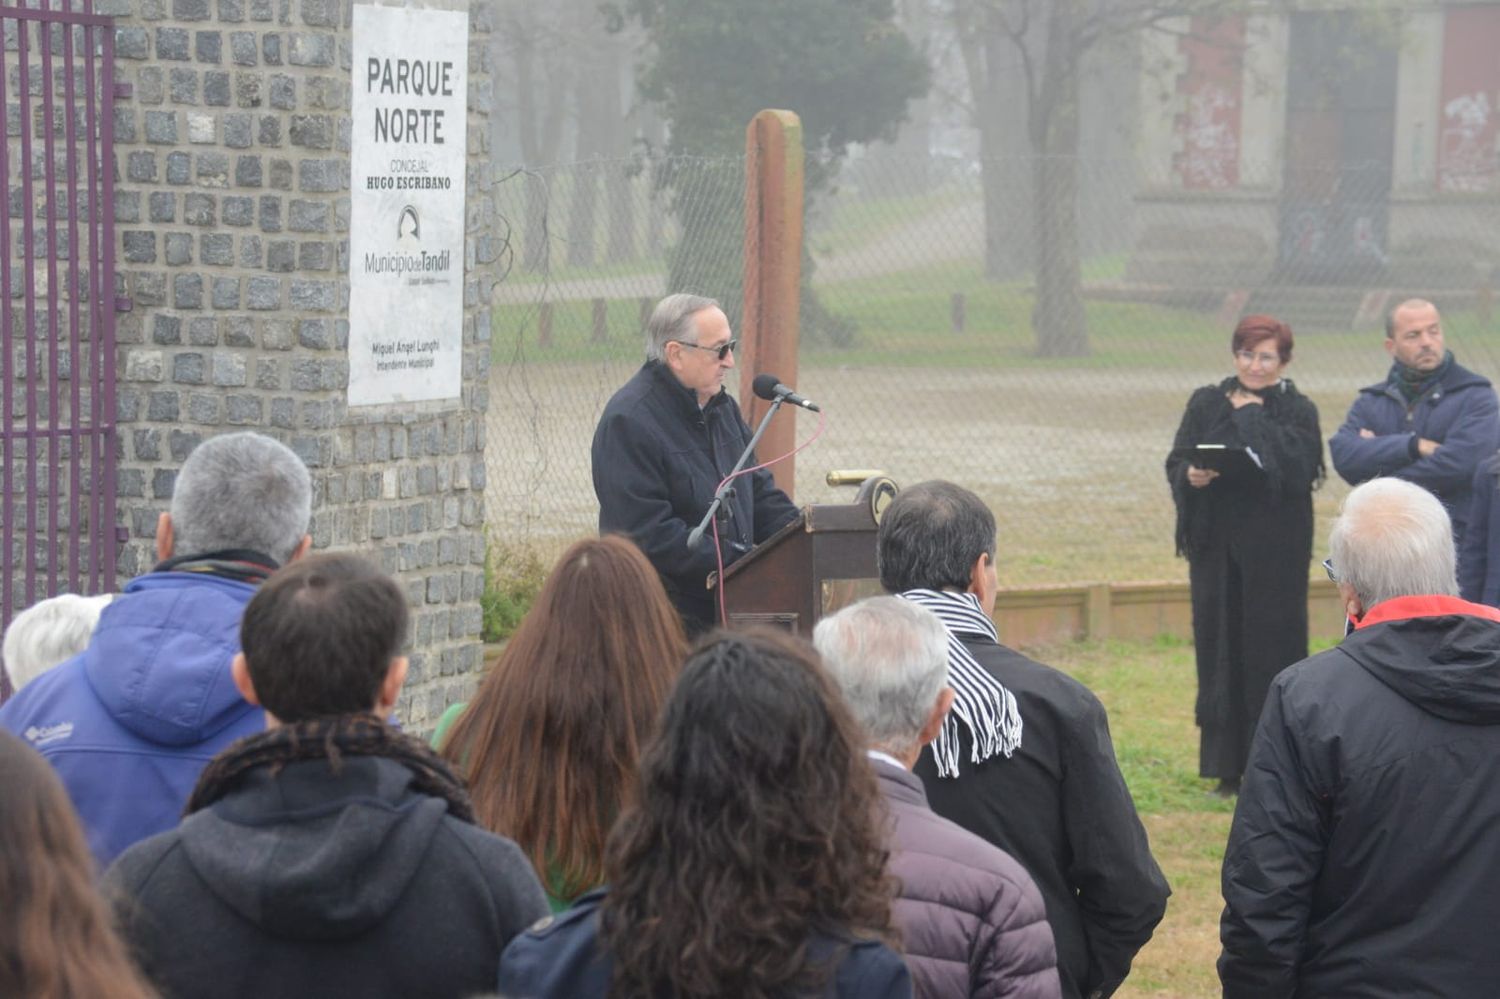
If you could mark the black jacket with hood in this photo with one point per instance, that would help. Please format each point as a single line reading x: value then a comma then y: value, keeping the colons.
x: 1365, y: 850
x: 308, y: 883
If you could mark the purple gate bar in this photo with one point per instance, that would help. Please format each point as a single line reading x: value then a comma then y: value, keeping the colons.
x: 62, y: 420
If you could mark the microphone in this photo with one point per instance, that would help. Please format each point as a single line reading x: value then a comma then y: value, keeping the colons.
x: 769, y: 387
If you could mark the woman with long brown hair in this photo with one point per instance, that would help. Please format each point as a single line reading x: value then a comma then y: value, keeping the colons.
x: 753, y: 864
x: 56, y: 937
x: 551, y: 742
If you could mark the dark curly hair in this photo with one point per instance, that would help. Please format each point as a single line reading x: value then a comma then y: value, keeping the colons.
x: 757, y: 827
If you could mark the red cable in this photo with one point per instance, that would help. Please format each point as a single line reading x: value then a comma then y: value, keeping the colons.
x: 718, y: 549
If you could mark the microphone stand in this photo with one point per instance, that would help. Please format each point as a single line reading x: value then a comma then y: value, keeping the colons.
x: 713, y: 508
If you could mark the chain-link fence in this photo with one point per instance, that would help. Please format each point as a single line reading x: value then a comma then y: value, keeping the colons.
x: 938, y: 349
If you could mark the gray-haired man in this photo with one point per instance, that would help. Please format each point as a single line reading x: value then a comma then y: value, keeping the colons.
x: 972, y: 920
x: 664, y: 443
x: 129, y: 723
x: 1366, y: 838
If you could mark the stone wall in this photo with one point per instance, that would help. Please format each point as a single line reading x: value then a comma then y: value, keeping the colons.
x: 232, y: 230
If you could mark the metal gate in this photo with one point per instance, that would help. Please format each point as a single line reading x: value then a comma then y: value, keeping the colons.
x: 57, y: 366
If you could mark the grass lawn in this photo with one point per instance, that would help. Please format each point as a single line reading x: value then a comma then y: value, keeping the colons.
x: 1149, y: 691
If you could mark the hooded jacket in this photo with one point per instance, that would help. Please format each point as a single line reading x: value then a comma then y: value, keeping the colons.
x: 306, y: 881
x: 130, y: 722
x: 972, y: 921
x: 1461, y: 413
x: 657, y: 459
x: 1364, y: 847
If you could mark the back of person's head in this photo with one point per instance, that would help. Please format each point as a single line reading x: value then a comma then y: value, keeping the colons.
x: 552, y: 740
x: 1393, y: 539
x: 49, y: 632
x: 756, y: 828
x: 56, y: 937
x: 930, y: 537
x: 319, y: 637
x: 889, y: 658
x: 242, y: 491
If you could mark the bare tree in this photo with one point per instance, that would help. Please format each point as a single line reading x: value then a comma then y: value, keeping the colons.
x: 1044, y: 44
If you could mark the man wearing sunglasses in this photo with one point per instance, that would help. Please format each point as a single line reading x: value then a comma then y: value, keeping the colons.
x: 666, y: 440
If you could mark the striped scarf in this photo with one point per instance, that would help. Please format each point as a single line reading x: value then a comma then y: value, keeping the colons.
x: 979, y: 700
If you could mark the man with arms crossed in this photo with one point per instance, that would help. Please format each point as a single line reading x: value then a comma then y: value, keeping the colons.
x: 1430, y: 421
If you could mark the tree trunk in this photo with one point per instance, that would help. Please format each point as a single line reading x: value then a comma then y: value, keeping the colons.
x: 1058, y: 319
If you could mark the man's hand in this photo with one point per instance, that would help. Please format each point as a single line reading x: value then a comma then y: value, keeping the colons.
x: 1427, y: 448
x: 1200, y: 477
x: 1366, y: 432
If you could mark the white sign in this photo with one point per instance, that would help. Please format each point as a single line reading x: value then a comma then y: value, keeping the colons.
x: 406, y: 204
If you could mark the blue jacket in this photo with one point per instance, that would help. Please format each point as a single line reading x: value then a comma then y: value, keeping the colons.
x: 1461, y: 414
x: 1479, y: 555
x: 129, y: 723
x: 561, y: 958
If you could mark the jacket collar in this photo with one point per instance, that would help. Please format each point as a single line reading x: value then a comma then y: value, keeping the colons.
x: 1406, y: 608
x: 679, y: 396
x: 899, y: 784
x: 1456, y: 378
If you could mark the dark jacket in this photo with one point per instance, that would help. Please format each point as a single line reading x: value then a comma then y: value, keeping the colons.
x: 657, y: 459
x: 131, y: 721
x: 562, y: 958
x: 1479, y: 553
x: 1248, y: 539
x: 310, y: 883
x: 1363, y: 853
x: 1460, y: 413
x: 1061, y: 808
x: 972, y: 921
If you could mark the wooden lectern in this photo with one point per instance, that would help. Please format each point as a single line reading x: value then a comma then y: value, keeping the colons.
x: 820, y: 562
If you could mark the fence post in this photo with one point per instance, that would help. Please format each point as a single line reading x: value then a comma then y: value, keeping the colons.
x: 544, y: 325
x: 601, y: 321
x: 773, y: 274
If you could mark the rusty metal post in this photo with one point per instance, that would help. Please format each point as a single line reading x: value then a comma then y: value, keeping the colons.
x: 773, y: 275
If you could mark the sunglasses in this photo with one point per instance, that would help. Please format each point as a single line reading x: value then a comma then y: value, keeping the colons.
x: 722, y: 350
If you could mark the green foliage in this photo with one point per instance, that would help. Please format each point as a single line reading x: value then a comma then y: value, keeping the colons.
x: 513, y: 576
x: 842, y: 65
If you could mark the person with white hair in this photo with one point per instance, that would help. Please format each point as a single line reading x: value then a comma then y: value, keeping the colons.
x: 663, y: 444
x: 973, y: 921
x: 49, y: 633
x: 129, y: 723
x: 1362, y: 854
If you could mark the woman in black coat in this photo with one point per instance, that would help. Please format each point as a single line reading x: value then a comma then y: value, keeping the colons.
x: 1246, y: 531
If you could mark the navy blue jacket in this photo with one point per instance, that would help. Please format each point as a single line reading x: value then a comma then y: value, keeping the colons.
x: 562, y: 957
x: 1479, y: 556
x: 657, y: 459
x: 1461, y: 414
x: 130, y: 722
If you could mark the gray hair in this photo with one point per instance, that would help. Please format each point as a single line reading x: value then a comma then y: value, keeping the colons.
x: 672, y: 319
x: 48, y: 633
x: 930, y: 537
x: 1393, y: 539
x: 1410, y: 303
x: 890, y: 658
x: 243, y: 490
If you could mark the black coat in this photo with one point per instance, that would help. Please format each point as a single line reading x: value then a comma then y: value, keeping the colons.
x: 657, y: 459
x: 1363, y: 856
x: 314, y: 883
x: 1248, y: 541
x: 1060, y: 806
